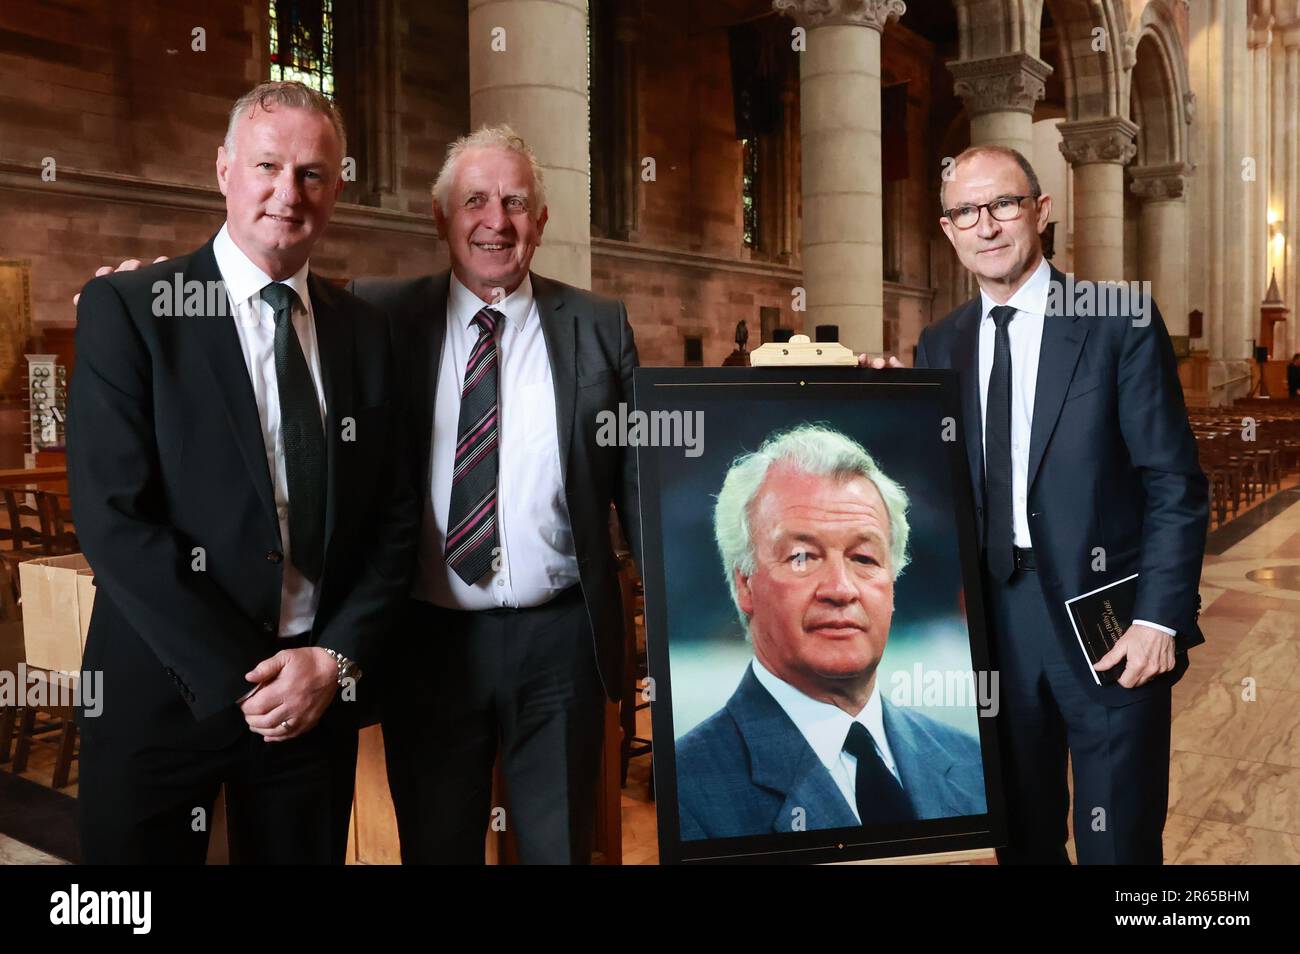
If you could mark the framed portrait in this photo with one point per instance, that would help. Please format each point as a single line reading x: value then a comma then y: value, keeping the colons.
x: 819, y: 674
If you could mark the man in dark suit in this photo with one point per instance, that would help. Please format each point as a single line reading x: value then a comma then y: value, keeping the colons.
x: 812, y: 536
x: 1085, y: 472
x: 237, y: 475
x: 1293, y: 377
x: 514, y: 635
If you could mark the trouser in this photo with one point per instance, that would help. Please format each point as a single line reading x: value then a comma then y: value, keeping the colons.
x: 1119, y: 754
x: 286, y: 802
x: 465, y: 686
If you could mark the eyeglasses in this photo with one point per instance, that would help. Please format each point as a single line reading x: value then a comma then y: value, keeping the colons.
x: 1005, y: 208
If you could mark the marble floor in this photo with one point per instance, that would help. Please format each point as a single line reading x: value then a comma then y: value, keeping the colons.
x: 1234, y: 774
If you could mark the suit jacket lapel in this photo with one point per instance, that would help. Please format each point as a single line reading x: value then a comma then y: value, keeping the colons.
x: 428, y: 332
x: 225, y: 360
x: 1058, y: 356
x: 966, y: 359
x: 336, y: 347
x: 921, y: 761
x: 560, y: 331
x: 433, y: 332
x: 782, y: 760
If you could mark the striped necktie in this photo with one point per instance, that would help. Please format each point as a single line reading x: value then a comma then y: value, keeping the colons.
x: 472, y: 518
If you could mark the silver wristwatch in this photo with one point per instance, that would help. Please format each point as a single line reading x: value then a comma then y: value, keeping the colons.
x: 347, y: 668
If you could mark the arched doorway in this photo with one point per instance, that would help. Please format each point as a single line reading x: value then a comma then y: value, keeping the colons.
x: 1155, y: 185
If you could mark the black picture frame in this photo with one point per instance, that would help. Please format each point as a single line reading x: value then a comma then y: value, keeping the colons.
x: 736, y: 404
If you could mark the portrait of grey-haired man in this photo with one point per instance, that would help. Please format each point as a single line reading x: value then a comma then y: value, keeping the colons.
x: 812, y: 536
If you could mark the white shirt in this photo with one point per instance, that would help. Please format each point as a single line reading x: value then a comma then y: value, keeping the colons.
x: 1025, y: 330
x: 538, y: 558
x: 825, y: 727
x: 255, y: 324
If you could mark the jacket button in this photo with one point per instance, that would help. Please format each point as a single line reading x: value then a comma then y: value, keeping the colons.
x: 268, y: 627
x: 274, y: 556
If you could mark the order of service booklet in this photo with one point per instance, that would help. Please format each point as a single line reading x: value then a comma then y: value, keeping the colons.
x: 1100, y: 617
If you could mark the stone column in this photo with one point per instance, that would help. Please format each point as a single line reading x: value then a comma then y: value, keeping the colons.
x: 1239, y: 321
x: 1162, y: 245
x: 1257, y: 208
x: 1000, y: 93
x: 1097, y: 150
x: 626, y: 217
x: 528, y: 68
x: 840, y: 139
x: 787, y: 236
x: 1289, y: 130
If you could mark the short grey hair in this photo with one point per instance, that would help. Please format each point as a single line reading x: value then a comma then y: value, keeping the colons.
x: 291, y: 95
x: 993, y: 149
x: 814, y: 449
x: 488, y: 137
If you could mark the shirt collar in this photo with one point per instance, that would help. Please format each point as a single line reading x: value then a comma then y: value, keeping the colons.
x: 463, y: 304
x: 244, y: 279
x: 823, y: 725
x: 1031, y: 297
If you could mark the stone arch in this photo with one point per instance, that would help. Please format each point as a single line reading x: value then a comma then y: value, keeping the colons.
x: 1160, y: 95
x: 995, y: 27
x: 1096, y: 81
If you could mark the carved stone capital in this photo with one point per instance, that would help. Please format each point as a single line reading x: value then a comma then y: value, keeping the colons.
x: 815, y: 13
x: 996, y: 84
x: 1128, y: 50
x: 1261, y: 32
x: 1105, y: 139
x: 1158, y: 183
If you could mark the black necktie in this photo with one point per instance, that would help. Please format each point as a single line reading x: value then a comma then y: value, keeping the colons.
x: 471, y: 546
x: 302, y: 435
x: 999, y: 522
x: 880, y: 798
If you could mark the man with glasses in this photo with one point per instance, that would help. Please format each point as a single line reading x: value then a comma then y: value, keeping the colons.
x: 1085, y: 472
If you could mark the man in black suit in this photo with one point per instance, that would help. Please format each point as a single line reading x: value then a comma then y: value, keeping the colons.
x: 1293, y: 377
x: 1085, y: 472
x: 237, y: 475
x: 514, y: 635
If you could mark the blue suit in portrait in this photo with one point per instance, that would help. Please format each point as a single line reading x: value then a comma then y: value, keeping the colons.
x: 747, y: 768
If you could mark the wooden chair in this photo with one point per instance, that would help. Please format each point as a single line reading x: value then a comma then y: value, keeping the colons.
x: 11, y: 654
x: 56, y: 517
x: 634, y: 669
x: 60, y: 720
x: 28, y: 530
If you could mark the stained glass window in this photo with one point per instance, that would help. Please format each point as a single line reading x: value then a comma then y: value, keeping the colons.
x: 302, y: 42
x: 749, y: 190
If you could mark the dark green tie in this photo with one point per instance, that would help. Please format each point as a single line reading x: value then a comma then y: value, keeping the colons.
x: 302, y: 435
x: 1000, y: 523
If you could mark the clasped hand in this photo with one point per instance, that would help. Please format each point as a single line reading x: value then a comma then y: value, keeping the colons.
x: 293, y: 689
